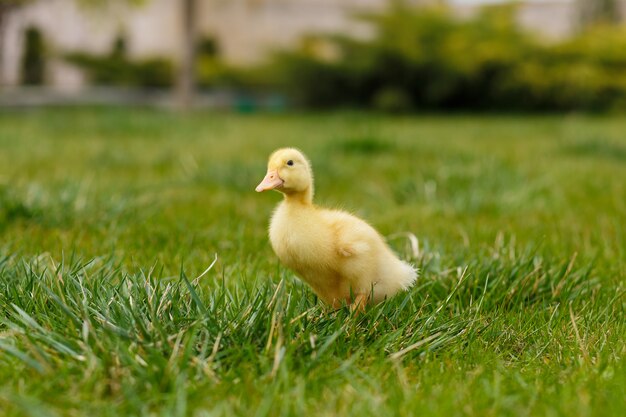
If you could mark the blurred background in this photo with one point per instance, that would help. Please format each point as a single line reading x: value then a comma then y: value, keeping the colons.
x: 133, y: 134
x: 391, y: 56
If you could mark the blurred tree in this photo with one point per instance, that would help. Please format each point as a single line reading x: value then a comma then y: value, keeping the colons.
x: 33, y: 65
x: 186, y: 77
x: 6, y: 6
x: 418, y: 59
x: 208, y: 46
x: 119, y: 48
x: 186, y: 72
x: 598, y: 11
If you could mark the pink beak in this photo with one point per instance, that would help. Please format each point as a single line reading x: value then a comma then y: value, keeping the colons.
x: 271, y: 181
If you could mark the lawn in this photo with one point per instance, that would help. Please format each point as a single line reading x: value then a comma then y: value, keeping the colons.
x: 110, y: 217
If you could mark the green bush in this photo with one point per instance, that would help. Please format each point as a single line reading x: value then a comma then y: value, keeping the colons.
x: 116, y: 68
x: 391, y: 100
x: 33, y: 60
x: 152, y: 72
x: 427, y: 59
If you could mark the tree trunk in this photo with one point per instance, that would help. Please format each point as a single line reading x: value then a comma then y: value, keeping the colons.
x: 186, y: 70
x: 3, y: 13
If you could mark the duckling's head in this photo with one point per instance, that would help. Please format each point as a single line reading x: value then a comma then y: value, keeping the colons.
x: 289, y: 172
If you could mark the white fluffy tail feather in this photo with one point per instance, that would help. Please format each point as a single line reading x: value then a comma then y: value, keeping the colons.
x: 410, y: 274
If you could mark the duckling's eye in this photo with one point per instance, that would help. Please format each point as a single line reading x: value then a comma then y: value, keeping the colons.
x: 290, y: 163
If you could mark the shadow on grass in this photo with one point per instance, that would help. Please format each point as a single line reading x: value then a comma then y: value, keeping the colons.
x: 598, y: 148
x: 363, y: 145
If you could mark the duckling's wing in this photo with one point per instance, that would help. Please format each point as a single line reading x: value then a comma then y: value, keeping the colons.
x: 352, y: 236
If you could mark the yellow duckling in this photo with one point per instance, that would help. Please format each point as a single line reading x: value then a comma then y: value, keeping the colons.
x: 340, y: 256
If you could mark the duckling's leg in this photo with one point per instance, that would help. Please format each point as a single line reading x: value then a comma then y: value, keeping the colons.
x: 359, y: 303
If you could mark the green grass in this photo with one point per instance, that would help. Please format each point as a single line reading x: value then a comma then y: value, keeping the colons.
x: 107, y: 216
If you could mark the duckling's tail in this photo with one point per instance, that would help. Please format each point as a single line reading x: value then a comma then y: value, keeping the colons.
x: 408, y: 275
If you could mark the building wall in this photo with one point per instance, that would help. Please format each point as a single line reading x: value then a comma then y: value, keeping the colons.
x: 245, y: 29
x: 552, y: 18
x: 151, y: 30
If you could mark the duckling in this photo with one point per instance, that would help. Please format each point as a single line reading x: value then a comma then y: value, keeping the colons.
x: 341, y: 257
